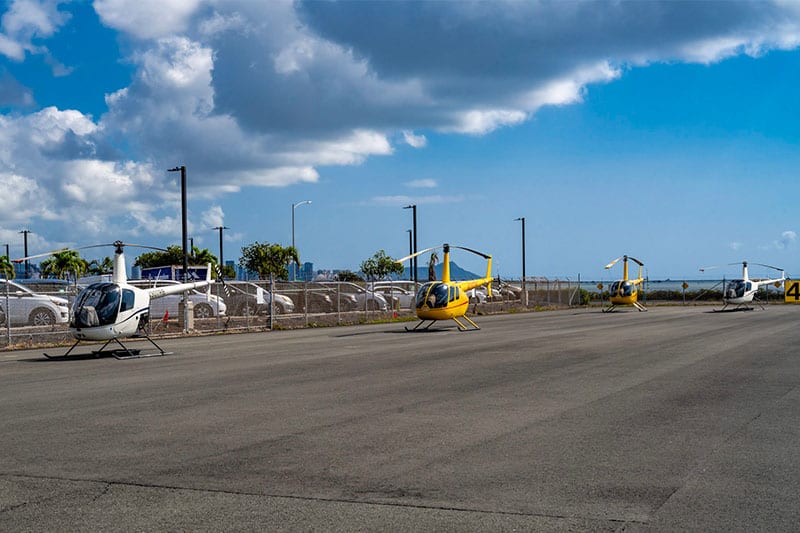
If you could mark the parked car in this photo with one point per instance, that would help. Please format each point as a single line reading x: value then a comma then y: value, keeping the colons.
x: 364, y: 298
x: 52, y: 287
x: 320, y: 299
x: 25, y: 307
x: 242, y: 299
x: 392, y: 294
x: 205, y: 305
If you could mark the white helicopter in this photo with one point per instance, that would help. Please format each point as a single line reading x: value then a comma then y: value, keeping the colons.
x: 741, y: 292
x: 109, y: 311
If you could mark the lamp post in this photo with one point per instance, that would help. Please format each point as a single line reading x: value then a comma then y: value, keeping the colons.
x: 221, y: 260
x: 25, y: 251
x: 184, y: 238
x: 413, y: 208
x: 294, y: 263
x: 524, y: 291
x: 410, y: 251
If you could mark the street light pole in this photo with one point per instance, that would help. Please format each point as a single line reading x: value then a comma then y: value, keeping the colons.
x: 25, y: 251
x: 410, y: 251
x: 221, y: 260
x: 524, y: 291
x: 184, y: 237
x: 413, y: 208
x: 294, y: 263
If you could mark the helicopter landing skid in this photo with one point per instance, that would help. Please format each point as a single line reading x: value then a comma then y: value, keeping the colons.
x: 461, y: 327
x: 419, y: 324
x: 123, y: 352
x: 740, y: 307
x: 612, y: 307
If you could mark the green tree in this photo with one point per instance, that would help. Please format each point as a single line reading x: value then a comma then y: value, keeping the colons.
x: 173, y: 255
x: 432, y: 266
x: 62, y: 264
x: 95, y: 267
x: 265, y: 259
x: 348, y: 275
x: 6, y: 267
x: 380, y: 265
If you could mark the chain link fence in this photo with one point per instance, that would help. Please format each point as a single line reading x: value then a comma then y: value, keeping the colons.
x: 264, y: 305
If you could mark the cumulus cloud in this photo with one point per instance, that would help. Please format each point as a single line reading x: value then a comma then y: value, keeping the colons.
x: 146, y: 19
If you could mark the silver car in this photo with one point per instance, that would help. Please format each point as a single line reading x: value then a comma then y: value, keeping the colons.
x: 26, y: 308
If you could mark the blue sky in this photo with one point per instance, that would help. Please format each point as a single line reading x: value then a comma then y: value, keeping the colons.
x: 664, y: 130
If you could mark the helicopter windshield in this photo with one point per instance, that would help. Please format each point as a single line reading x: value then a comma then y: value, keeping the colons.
x: 622, y: 288
x: 433, y: 295
x: 97, y: 305
x: 736, y: 288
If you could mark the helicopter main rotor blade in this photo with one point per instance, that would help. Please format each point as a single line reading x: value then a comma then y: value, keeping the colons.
x: 614, y: 262
x: 76, y: 248
x: 635, y: 260
x: 476, y: 252
x: 768, y: 266
x: 426, y: 250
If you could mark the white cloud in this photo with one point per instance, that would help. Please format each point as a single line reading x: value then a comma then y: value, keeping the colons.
x: 787, y: 240
x: 214, y: 217
x: 735, y: 245
x: 422, y: 184
x: 26, y: 20
x: 481, y: 122
x: 415, y: 141
x: 402, y: 200
x: 147, y: 19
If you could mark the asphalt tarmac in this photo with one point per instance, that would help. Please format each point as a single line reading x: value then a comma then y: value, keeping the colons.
x: 673, y: 419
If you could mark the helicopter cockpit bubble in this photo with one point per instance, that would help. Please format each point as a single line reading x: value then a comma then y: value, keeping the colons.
x: 433, y: 294
x: 622, y: 288
x: 97, y: 305
x: 737, y: 288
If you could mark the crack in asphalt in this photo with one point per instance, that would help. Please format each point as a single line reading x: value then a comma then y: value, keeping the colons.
x: 110, y: 484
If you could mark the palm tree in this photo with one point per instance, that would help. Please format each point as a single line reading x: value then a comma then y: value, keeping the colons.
x: 6, y: 268
x: 432, y: 266
x: 106, y: 266
x: 64, y: 263
x: 202, y: 257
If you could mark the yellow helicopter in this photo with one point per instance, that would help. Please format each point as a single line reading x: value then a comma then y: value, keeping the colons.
x: 445, y: 299
x: 625, y: 291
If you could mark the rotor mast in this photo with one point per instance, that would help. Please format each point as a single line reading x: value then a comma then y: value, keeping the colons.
x: 119, y: 275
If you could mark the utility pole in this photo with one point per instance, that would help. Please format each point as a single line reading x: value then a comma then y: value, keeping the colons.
x: 524, y: 290
x: 413, y: 208
x: 25, y: 240
x: 184, y: 243
x: 221, y: 260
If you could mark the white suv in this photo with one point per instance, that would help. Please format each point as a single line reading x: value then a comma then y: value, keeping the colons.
x: 26, y: 308
x: 205, y: 305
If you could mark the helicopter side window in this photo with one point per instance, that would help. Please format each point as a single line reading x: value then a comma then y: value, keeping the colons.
x: 128, y: 298
x: 452, y: 293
